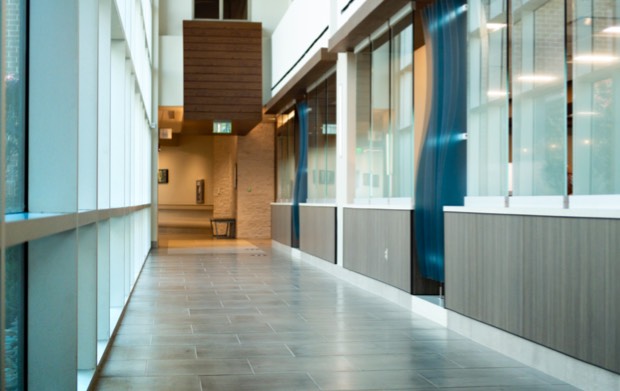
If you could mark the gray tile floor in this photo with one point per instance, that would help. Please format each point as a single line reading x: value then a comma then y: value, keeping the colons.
x: 230, y: 316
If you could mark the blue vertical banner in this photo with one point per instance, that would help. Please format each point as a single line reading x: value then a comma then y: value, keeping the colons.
x: 442, y: 167
x: 300, y: 190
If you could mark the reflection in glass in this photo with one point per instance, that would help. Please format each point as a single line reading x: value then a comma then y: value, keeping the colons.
x: 285, y: 150
x: 329, y: 131
x: 596, y: 94
x: 539, y: 98
x: 384, y: 155
x: 487, y: 98
x: 322, y: 142
x: 363, y: 135
x: 314, y: 190
x: 15, y: 105
x: 400, y: 145
x: 378, y: 153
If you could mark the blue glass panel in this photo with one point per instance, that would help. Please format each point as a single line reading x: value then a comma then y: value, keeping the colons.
x: 300, y: 193
x: 442, y: 169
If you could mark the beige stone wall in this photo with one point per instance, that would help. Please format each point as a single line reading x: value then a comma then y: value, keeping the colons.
x: 224, y: 195
x: 256, y: 182
x: 186, y: 163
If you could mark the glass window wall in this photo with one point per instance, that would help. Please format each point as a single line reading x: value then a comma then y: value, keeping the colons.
x: 221, y: 9
x: 595, y: 165
x: 15, y: 105
x: 488, y: 112
x: 384, y: 157
x: 285, y: 150
x: 400, y: 139
x: 539, y: 98
x: 322, y: 141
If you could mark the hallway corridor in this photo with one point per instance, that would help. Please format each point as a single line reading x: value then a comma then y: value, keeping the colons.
x: 235, y: 315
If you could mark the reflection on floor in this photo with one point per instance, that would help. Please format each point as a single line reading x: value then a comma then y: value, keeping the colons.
x: 235, y: 315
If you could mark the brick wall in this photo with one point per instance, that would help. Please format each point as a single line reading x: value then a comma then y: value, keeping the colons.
x: 256, y: 182
x: 224, y: 195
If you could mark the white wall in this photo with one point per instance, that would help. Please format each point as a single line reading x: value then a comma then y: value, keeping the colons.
x: 268, y: 12
x: 171, y: 16
x: 299, y: 28
x: 171, y: 70
x: 172, y: 13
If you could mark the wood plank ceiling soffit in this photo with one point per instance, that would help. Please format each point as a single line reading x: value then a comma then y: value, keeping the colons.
x: 222, y: 69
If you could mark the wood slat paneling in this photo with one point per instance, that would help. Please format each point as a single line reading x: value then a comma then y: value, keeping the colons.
x: 281, y: 223
x: 219, y: 47
x: 550, y: 280
x: 230, y: 93
x: 223, y: 60
x: 318, y: 231
x: 368, y: 234
x: 228, y: 55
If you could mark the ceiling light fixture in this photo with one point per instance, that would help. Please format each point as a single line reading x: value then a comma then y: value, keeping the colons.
x: 612, y: 30
x: 493, y: 27
x: 595, y: 59
x: 496, y: 93
x: 537, y: 78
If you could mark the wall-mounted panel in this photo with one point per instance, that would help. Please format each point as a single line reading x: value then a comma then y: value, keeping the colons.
x: 318, y: 231
x: 223, y: 73
x: 551, y: 280
x: 377, y: 244
x: 281, y: 218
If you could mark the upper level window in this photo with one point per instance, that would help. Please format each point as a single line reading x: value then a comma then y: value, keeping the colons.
x: 221, y: 9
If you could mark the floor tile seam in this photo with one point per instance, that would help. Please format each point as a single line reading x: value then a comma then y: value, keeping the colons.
x: 463, y: 366
x: 313, y: 381
x: 289, y: 349
x: 251, y: 367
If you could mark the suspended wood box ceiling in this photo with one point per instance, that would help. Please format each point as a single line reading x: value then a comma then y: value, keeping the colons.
x: 222, y: 75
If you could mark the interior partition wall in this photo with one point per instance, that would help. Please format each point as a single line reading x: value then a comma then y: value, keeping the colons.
x: 76, y: 223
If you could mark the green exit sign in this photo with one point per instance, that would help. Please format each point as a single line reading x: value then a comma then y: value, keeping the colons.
x: 222, y: 127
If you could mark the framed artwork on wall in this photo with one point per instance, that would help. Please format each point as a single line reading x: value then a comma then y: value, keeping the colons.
x: 162, y: 175
x: 200, y: 191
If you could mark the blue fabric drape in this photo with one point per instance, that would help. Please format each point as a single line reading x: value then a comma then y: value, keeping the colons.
x: 300, y: 190
x: 441, y: 177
